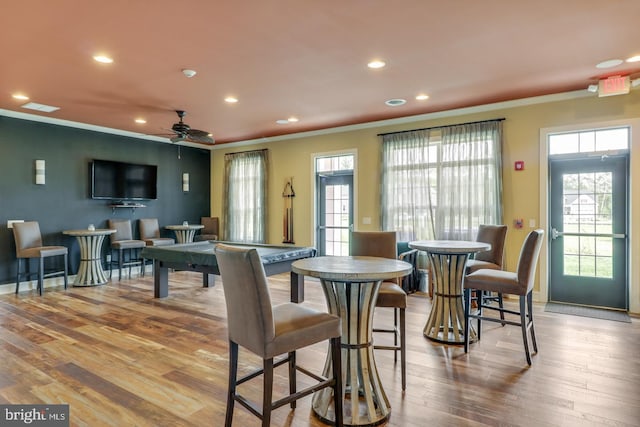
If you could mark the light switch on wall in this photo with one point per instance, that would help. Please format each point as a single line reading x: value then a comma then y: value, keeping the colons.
x: 532, y: 223
x: 11, y: 221
x: 366, y: 220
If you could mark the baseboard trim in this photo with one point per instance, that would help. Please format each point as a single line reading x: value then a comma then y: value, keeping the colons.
x: 58, y: 281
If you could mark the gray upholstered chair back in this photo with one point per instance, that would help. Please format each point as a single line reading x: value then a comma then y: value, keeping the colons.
x: 374, y: 243
x: 494, y: 235
x: 149, y: 228
x: 27, y: 236
x: 529, y: 259
x: 249, y: 312
x: 123, y: 229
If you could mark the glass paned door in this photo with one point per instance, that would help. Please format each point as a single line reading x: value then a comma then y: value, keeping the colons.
x: 335, y: 212
x: 588, y: 245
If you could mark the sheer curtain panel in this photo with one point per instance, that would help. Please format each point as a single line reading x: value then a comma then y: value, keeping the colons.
x: 442, y: 183
x: 470, y: 173
x: 408, y: 183
x: 245, y: 196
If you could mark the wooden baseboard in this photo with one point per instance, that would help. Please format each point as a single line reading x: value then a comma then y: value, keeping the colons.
x: 52, y: 282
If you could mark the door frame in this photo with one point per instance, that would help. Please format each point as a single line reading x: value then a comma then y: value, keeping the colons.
x: 590, y: 289
x: 313, y: 191
x: 633, y: 271
x: 343, y: 178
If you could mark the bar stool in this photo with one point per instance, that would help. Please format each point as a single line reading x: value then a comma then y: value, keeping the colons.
x: 269, y: 331
x: 122, y: 241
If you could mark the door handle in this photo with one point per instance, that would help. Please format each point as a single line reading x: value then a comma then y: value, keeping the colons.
x: 555, y: 233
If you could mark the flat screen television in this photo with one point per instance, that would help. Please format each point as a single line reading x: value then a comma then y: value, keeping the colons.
x: 123, y: 181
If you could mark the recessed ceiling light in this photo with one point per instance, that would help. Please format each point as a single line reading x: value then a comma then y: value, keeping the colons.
x: 40, y: 107
x: 635, y: 58
x: 20, y: 97
x: 282, y: 122
x: 395, y: 102
x: 231, y: 99
x: 141, y: 121
x: 292, y: 119
x: 610, y: 63
x: 103, y: 59
x: 422, y: 97
x: 376, y: 64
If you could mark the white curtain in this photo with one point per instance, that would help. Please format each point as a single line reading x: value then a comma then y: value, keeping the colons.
x: 245, y: 196
x: 442, y: 183
x: 407, y: 185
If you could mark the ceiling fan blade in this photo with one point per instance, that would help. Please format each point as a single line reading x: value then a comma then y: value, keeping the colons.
x: 177, y: 138
x: 200, y: 136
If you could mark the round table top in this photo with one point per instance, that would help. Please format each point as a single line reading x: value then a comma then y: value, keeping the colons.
x: 87, y: 232
x: 185, y: 227
x: 450, y: 246
x: 351, y: 268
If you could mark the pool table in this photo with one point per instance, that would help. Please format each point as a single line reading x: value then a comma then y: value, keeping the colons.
x: 200, y: 256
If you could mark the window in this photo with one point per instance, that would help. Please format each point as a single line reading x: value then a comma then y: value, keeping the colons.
x: 246, y: 196
x: 590, y: 141
x: 442, y: 183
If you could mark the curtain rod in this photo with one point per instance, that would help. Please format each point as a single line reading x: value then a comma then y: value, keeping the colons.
x: 442, y: 127
x: 248, y: 151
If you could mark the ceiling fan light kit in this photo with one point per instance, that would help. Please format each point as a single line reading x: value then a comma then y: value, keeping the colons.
x: 189, y: 73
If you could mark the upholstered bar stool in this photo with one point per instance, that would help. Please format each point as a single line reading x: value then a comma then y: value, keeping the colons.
x: 122, y: 241
x: 494, y: 235
x: 269, y: 331
x: 150, y: 234
x: 210, y: 230
x: 504, y: 282
x: 383, y: 244
x: 29, y: 245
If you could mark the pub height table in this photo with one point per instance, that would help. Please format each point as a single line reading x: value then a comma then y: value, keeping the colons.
x: 185, y: 232
x: 448, y: 259
x: 351, y: 285
x: 90, y: 271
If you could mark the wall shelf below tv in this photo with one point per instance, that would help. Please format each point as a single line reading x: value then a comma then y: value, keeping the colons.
x: 131, y: 206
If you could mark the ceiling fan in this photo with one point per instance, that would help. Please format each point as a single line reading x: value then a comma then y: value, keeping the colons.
x: 184, y: 132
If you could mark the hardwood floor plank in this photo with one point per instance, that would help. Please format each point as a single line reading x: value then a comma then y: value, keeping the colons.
x: 120, y: 357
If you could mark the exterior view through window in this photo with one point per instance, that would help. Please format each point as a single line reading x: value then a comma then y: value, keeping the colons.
x: 334, y: 189
x: 588, y: 178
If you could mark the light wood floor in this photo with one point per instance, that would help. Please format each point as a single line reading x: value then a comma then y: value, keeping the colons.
x: 119, y: 357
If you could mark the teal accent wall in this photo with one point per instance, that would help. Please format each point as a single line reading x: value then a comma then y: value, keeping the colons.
x: 64, y: 202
